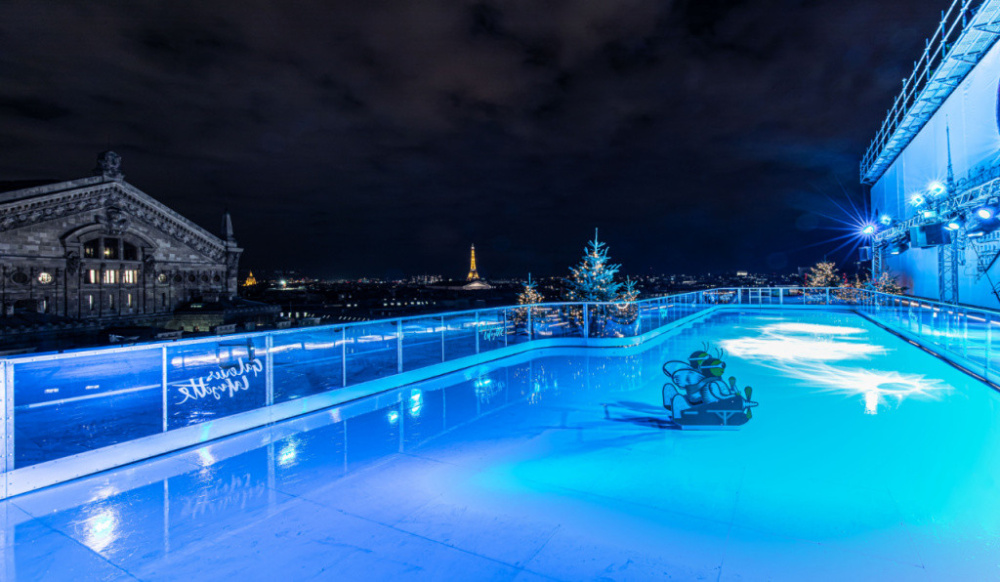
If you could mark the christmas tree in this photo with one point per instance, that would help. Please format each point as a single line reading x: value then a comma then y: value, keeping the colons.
x: 530, y: 294
x: 594, y: 278
x: 823, y: 274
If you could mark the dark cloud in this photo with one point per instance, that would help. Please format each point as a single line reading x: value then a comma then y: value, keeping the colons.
x: 364, y: 137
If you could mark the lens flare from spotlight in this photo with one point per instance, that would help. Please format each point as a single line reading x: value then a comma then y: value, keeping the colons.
x: 868, y: 229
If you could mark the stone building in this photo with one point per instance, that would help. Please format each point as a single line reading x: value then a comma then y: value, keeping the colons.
x: 99, y: 249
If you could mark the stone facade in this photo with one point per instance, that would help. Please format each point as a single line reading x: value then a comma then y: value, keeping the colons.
x: 99, y: 248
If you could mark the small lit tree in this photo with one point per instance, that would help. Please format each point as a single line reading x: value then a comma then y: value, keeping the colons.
x: 593, y: 279
x: 886, y: 283
x: 530, y: 293
x: 823, y: 274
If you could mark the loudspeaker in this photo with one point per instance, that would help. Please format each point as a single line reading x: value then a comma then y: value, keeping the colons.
x: 930, y: 235
x: 865, y: 254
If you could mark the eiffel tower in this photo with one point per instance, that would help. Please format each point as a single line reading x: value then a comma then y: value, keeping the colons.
x: 473, y: 273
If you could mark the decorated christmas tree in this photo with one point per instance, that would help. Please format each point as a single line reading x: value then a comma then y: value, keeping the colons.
x: 530, y: 293
x: 593, y: 279
x: 823, y: 274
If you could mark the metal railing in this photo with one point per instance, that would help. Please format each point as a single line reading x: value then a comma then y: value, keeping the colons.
x: 68, y: 406
x: 955, y: 22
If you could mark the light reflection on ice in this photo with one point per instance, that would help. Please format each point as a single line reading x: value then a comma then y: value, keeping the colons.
x: 805, y: 351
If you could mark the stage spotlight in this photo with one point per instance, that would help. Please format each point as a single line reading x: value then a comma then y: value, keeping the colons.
x: 868, y: 230
x: 885, y: 220
x: 899, y: 244
x: 954, y: 223
x: 917, y: 199
x: 935, y: 188
x: 986, y: 213
x: 980, y: 227
x: 928, y: 214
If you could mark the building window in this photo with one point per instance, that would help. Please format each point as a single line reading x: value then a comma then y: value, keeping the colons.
x: 93, y: 276
x: 128, y: 300
x: 130, y: 252
x: 192, y: 278
x: 44, y: 278
x: 130, y: 276
x: 90, y: 248
x: 110, y: 277
x: 20, y: 278
x: 90, y: 302
x: 163, y: 300
x: 45, y: 304
x: 162, y: 278
x: 111, y: 248
x: 111, y: 300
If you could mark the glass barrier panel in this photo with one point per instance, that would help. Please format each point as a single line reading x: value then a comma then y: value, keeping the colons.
x: 459, y: 336
x: 422, y: 342
x: 721, y: 296
x: 209, y: 380
x: 993, y: 345
x: 794, y: 296
x: 371, y: 351
x: 73, y: 404
x: 307, y: 362
x: 517, y: 325
x: 558, y: 321
x: 492, y: 330
x: 976, y: 325
x: 649, y: 316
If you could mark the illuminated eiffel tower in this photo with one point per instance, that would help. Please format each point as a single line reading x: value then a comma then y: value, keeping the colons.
x: 473, y: 273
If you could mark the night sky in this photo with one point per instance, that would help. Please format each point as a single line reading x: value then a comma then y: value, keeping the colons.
x: 382, y: 138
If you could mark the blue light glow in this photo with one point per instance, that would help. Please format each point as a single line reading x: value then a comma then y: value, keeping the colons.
x: 868, y: 229
x: 936, y: 188
x: 885, y: 220
x: 985, y: 213
x: 917, y: 200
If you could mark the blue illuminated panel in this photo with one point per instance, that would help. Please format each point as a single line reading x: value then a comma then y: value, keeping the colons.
x: 307, y: 362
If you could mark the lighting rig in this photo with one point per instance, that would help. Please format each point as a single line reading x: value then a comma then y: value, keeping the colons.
x: 944, y: 220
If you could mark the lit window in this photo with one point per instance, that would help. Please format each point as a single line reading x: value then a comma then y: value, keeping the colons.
x: 130, y: 276
x: 90, y: 248
x: 111, y: 248
x: 93, y: 277
x: 90, y: 302
x: 44, y: 278
x: 110, y: 277
x: 128, y: 300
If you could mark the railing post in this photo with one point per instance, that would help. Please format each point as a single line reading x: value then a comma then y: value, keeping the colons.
x: 530, y: 324
x: 399, y: 346
x: 781, y: 296
x: 827, y: 295
x: 163, y: 386
x: 989, y: 344
x: 343, y: 356
x: 442, y: 338
x: 477, y: 332
x: 7, y: 436
x: 586, y: 320
x: 506, y: 340
x: 269, y: 368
